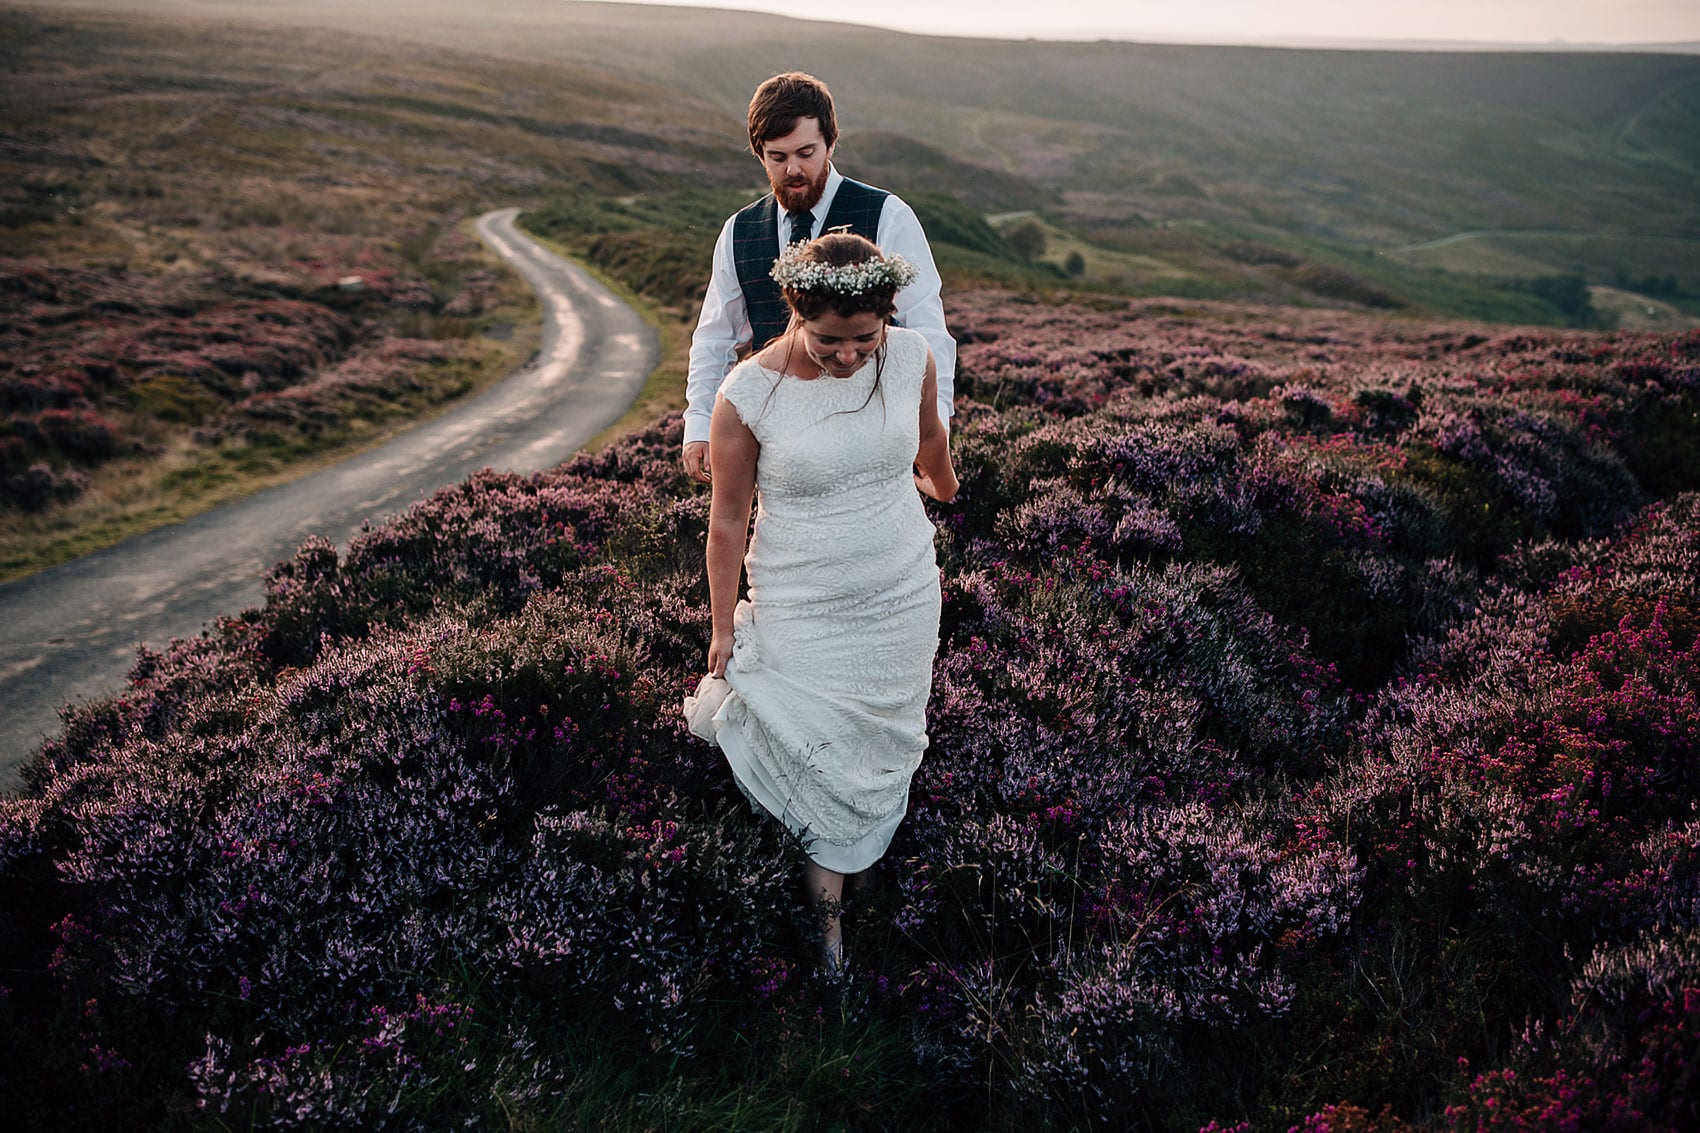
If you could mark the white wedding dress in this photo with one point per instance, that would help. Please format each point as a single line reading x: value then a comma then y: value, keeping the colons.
x: 822, y: 715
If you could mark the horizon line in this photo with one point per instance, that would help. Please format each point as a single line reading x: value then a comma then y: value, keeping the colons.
x: 1134, y: 37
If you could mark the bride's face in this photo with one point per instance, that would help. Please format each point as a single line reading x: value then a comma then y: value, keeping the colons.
x: 839, y: 344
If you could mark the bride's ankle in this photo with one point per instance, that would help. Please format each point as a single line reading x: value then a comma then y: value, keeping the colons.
x: 831, y: 955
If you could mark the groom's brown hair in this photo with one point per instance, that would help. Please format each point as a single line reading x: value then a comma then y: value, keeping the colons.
x: 779, y: 102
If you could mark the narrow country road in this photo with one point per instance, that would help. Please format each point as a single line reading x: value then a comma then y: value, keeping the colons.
x: 71, y: 632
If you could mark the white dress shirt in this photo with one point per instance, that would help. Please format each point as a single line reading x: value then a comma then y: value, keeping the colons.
x: 725, y: 324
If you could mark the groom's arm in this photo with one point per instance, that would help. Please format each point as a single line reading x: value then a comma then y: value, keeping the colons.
x: 722, y: 326
x: 918, y: 306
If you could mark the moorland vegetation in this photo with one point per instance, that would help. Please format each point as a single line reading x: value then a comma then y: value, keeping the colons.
x: 1312, y: 744
x: 1313, y: 727
x: 223, y: 255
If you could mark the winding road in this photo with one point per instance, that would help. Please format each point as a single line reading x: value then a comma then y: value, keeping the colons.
x: 71, y: 632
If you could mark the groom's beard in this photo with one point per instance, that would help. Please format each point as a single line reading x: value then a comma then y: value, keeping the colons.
x: 794, y: 196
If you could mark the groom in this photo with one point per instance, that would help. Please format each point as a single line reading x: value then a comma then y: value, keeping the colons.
x: 792, y: 132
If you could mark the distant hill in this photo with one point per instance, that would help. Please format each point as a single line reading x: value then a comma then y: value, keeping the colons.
x: 1372, y: 148
x: 1467, y: 183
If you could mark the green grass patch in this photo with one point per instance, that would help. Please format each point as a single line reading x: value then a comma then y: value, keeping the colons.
x: 171, y: 398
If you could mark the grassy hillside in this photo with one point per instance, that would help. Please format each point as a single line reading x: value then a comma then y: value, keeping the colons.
x: 228, y: 252
x: 226, y: 255
x: 1365, y: 149
x: 182, y: 195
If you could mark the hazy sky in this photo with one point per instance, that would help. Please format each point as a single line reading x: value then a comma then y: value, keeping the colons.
x: 1248, y: 21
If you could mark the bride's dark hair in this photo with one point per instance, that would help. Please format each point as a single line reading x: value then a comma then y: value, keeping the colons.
x: 836, y: 250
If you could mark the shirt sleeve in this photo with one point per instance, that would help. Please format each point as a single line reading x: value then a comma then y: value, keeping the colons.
x: 723, y: 325
x: 919, y: 306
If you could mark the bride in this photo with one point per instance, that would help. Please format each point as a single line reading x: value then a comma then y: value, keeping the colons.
x: 817, y: 683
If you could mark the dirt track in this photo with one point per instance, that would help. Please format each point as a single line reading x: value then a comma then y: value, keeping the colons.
x: 71, y: 632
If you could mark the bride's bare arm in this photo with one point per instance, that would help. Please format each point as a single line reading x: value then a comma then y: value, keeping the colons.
x: 735, y: 450
x: 937, y: 477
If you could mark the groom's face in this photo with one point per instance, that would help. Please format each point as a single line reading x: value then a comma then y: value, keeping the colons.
x: 796, y: 165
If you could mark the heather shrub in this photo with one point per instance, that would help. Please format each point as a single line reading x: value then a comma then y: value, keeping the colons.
x: 496, y: 539
x: 205, y: 686
x: 1537, y: 464
x: 382, y: 1079
x: 1624, y: 1058
x: 662, y: 919
x: 1049, y: 674
x: 1122, y: 972
x: 342, y: 847
x: 580, y: 711
x: 1532, y: 782
x: 1660, y: 444
x: 79, y: 434
x: 260, y: 348
x: 358, y: 837
x: 40, y: 485
x: 1315, y: 707
x: 1085, y: 723
x: 1325, y: 536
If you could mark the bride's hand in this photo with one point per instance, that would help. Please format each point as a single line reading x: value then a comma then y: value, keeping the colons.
x: 719, y: 652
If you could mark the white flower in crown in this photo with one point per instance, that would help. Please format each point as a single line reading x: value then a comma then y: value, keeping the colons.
x: 793, y: 271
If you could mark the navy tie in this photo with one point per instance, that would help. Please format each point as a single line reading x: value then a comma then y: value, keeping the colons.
x: 802, y: 223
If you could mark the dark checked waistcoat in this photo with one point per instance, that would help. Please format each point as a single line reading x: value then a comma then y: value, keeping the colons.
x: 755, y: 245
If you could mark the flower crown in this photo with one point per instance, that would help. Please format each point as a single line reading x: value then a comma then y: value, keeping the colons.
x: 793, y: 271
